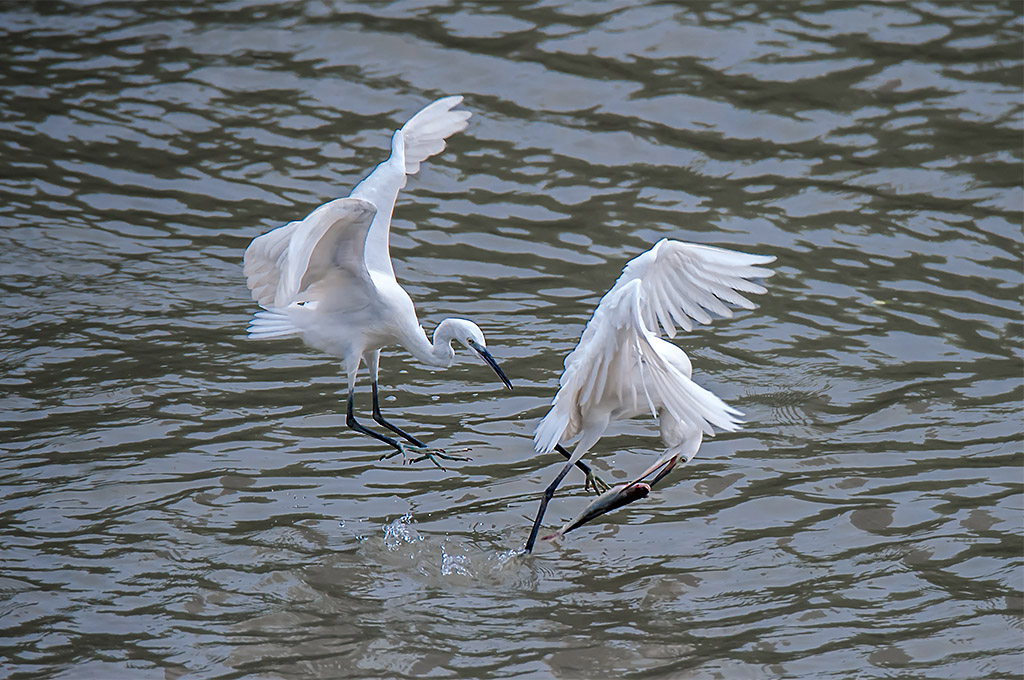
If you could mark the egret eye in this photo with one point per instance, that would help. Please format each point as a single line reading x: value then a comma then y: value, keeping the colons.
x: 470, y: 342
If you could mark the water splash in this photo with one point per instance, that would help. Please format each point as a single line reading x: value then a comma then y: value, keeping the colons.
x: 400, y: 533
x: 452, y: 564
x: 445, y: 560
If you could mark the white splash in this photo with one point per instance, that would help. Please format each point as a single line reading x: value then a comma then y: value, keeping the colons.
x: 400, y: 533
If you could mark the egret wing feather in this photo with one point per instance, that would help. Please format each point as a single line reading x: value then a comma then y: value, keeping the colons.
x: 665, y: 377
x: 381, y: 188
x: 686, y: 283
x: 420, y: 138
x: 326, y: 252
x: 268, y: 324
x: 424, y: 133
x: 585, y: 369
x: 281, y: 265
x: 682, y: 398
x: 263, y: 262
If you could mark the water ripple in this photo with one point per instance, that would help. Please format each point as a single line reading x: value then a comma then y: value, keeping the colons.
x: 180, y: 502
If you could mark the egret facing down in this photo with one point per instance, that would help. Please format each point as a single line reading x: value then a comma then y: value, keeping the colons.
x: 621, y: 368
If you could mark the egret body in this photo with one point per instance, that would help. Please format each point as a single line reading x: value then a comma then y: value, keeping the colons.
x: 328, y: 278
x: 621, y: 368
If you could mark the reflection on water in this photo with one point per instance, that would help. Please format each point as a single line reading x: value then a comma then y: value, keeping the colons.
x: 179, y: 502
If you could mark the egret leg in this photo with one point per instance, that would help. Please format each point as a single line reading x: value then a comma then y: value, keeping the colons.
x: 428, y: 454
x: 545, y: 499
x: 593, y: 481
x: 358, y: 427
x: 372, y: 359
x: 394, y: 428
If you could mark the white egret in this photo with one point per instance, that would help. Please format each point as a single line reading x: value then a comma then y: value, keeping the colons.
x: 621, y: 368
x: 328, y: 278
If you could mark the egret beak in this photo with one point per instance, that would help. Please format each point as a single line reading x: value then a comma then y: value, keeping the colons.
x: 489, y: 360
x: 666, y: 468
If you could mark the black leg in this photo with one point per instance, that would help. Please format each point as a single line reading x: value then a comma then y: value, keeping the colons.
x: 545, y: 499
x: 598, y: 484
x: 394, y: 428
x: 431, y: 455
x: 355, y: 425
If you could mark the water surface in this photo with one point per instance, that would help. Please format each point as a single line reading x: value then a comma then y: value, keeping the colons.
x: 179, y: 502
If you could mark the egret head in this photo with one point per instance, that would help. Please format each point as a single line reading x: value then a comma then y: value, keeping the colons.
x: 470, y: 335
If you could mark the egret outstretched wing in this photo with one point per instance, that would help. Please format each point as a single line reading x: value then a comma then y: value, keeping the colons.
x: 620, y: 368
x: 419, y: 139
x: 263, y: 262
x: 685, y: 283
x: 275, y: 262
x: 424, y: 133
x: 325, y: 250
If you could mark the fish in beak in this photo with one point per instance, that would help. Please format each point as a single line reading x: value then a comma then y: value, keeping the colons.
x: 618, y: 495
x: 613, y: 498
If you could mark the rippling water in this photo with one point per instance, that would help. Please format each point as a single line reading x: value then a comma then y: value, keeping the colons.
x: 179, y: 502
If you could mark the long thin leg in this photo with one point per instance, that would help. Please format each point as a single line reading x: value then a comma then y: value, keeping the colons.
x: 593, y: 481
x: 372, y: 359
x: 394, y: 428
x: 545, y: 499
x: 355, y: 425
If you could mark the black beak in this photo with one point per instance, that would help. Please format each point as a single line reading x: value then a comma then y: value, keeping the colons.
x: 489, y: 360
x: 666, y: 468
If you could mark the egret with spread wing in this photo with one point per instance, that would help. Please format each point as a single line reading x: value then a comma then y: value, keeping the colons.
x: 328, y: 278
x: 621, y: 368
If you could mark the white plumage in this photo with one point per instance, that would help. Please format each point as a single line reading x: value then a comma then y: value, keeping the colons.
x: 276, y: 261
x: 621, y: 368
x: 328, y: 277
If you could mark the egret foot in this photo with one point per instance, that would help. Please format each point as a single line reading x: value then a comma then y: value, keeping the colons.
x: 439, y: 453
x: 595, y: 483
x: 404, y: 449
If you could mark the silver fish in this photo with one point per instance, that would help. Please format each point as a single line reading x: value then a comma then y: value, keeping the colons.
x: 615, y: 497
x: 618, y: 495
